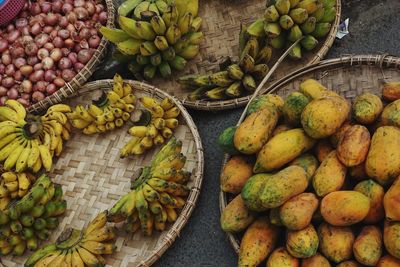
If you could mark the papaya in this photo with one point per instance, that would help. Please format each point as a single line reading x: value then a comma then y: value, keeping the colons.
x: 280, y: 128
x: 252, y: 190
x: 366, y: 108
x: 391, y: 91
x: 263, y: 101
x: 388, y: 261
x: 367, y: 247
x: 308, y: 162
x: 349, y: 264
x: 280, y: 187
x: 335, y: 243
x: 302, y: 243
x: 383, y: 159
x: 391, y: 114
x: 235, y: 173
x: 391, y: 201
x: 255, y: 130
x: 293, y: 107
x: 225, y: 141
x: 312, y: 89
x: 322, y: 149
x: 353, y: 146
x: 315, y: 261
x: 339, y: 133
x: 375, y: 193
x: 282, y: 258
x: 297, y: 212
x: 358, y: 172
x: 329, y: 176
x: 281, y: 149
x: 323, y: 117
x: 391, y: 233
x: 344, y: 208
x: 236, y: 216
x: 257, y: 243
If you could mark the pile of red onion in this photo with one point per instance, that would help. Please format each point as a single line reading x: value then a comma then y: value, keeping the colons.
x: 46, y: 46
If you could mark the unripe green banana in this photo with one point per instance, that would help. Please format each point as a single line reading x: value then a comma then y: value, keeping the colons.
x: 149, y: 72
x: 309, y: 42
x: 249, y: 83
x: 145, y: 30
x: 196, y: 24
x: 165, y: 69
x: 286, y: 22
x: 128, y: 6
x: 153, y: 7
x: 185, y: 22
x: 181, y: 44
x: 129, y: 47
x: 294, y: 3
x: 190, y: 51
x: 299, y: 15
x: 272, y: 30
x: 158, y: 25
x: 328, y: 3
x: 283, y: 6
x: 310, y: 5
x: 265, y: 54
x: 178, y: 63
x: 161, y: 43
x: 308, y: 26
x: 142, y: 60
x: 256, y: 28
x: 329, y: 15
x: 235, y: 72
x: 217, y: 93
x: 234, y: 90
x: 247, y: 63
x: 173, y: 34
x: 148, y: 48
x: 195, y: 80
x: 251, y: 48
x: 135, y: 68
x: 221, y: 79
x: 27, y: 220
x: 162, y: 6
x: 171, y: 16
x: 143, y: 6
x: 198, y: 94
x: 127, y: 25
x: 321, y: 29
x: 155, y: 59
x: 295, y: 53
x: 195, y: 38
x: 168, y: 54
x: 319, y: 13
x: 260, y: 71
x: 295, y: 34
x: 271, y: 14
x: 114, y: 35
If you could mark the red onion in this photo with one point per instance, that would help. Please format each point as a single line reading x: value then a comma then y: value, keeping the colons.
x: 58, y: 42
x: 91, y: 8
x: 35, y: 9
x: 94, y: 41
x: 68, y: 74
x: 65, y: 51
x: 64, y: 63
x: 69, y: 43
x: 93, y: 31
x: 51, y: 19
x: 95, y: 17
x: 40, y: 86
x: 32, y: 60
x: 13, y: 36
x: 31, y: 49
x: 8, y: 82
x: 46, y: 7
x: 36, y: 29
x: 21, y: 22
x: 26, y: 70
x: 67, y: 8
x: 38, y: 66
x: 48, y: 63
x: 24, y: 14
x: 84, y: 33
x: 26, y: 86
x: 79, y: 3
x: 56, y: 54
x: 26, y: 96
x: 81, y: 13
x: 12, y: 93
x: 49, y: 46
x: 73, y: 57
x: 49, y: 75
x: 57, y: 6
x: 26, y: 40
x: 10, y: 70
x: 59, y: 82
x: 78, y: 66
x: 25, y: 31
x: 10, y: 28
x: 84, y: 56
x: 72, y: 17
x: 6, y: 59
x: 17, y: 52
x: 37, y: 96
x: 3, y: 91
x: 2, y: 69
x: 53, y: 33
x: 3, y: 100
x: 43, y: 53
x: 63, y: 22
x: 99, y: 8
x: 36, y: 76
x: 19, y: 62
x: 42, y: 39
x: 64, y: 34
x: 24, y: 102
x: 48, y: 29
x: 103, y: 17
x: 51, y: 89
x: 3, y: 45
x: 71, y: 28
x: 18, y: 76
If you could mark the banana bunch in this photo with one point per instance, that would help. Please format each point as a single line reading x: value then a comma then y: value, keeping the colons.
x: 24, y: 222
x: 287, y: 21
x: 77, y: 248
x: 235, y: 80
x: 29, y: 142
x: 157, y: 194
x: 158, y: 129
x: 14, y: 185
x: 107, y: 113
x: 160, y: 35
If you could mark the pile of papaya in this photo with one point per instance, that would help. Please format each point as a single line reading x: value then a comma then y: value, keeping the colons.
x: 314, y: 180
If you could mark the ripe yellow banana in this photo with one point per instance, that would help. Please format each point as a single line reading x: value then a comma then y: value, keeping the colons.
x: 76, y: 260
x: 97, y: 223
x: 17, y: 107
x: 60, y: 108
x: 46, y: 158
x: 14, y: 155
x: 22, y: 161
x: 88, y: 258
x: 34, y: 154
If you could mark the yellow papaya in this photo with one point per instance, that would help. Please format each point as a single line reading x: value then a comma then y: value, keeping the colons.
x: 235, y: 173
x: 236, y: 216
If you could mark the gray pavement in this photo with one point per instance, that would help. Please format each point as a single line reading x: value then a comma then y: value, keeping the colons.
x: 374, y: 28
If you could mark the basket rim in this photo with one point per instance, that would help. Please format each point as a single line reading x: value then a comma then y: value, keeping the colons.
x: 197, y: 174
x: 242, y: 101
x: 84, y: 74
x: 345, y: 61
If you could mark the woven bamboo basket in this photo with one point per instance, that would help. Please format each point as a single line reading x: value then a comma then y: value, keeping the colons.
x: 93, y: 178
x: 349, y: 76
x: 81, y: 77
x: 221, y: 27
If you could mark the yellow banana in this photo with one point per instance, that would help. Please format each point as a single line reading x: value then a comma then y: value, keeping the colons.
x: 148, y: 102
x: 14, y: 155
x: 7, y: 139
x: 94, y: 110
x: 150, y: 194
x: 166, y: 133
x: 185, y: 22
x: 9, y: 177
x: 127, y: 89
x: 118, y: 89
x: 151, y: 131
x: 46, y: 158
x: 159, y: 123
x: 101, y: 234
x: 88, y: 258
x: 126, y: 150
x: 139, y: 131
x: 158, y: 140
x: 97, y: 222
x: 10, y: 114
x: 93, y: 247
x: 171, y: 214
x: 54, y: 137
x: 172, y: 113
x: 38, y: 165
x: 171, y: 123
x: 84, y: 114
x: 57, y: 116
x: 46, y: 260
x: 79, y: 123
x: 34, y: 154
x: 17, y: 107
x: 60, y: 108
x: 90, y: 129
x: 7, y: 129
x: 59, y: 148
x: 76, y: 260
x: 11, y: 186
x: 22, y: 161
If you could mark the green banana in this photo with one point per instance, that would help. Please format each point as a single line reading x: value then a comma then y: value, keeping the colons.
x: 127, y: 25
x: 321, y: 29
x: 149, y: 72
x: 272, y: 29
x: 158, y: 25
x: 329, y: 3
x: 221, y: 79
x: 329, y: 15
x: 234, y: 90
x: 195, y: 80
x: 294, y: 3
x: 308, y: 26
x: 283, y: 6
x: 295, y: 53
x: 319, y: 13
x: 235, y: 72
x: 145, y: 30
x: 198, y: 94
x: 309, y: 42
x: 299, y: 15
x: 247, y: 63
x: 310, y: 5
x: 128, y: 6
x: 295, y: 34
x: 190, y: 52
x: 143, y: 6
x: 178, y: 63
x: 217, y: 93
x: 148, y: 48
x: 260, y: 71
x: 161, y: 43
x: 265, y: 54
x: 286, y: 22
x: 155, y: 59
x: 162, y: 6
x: 114, y: 35
x: 195, y: 38
x: 271, y: 14
x: 185, y: 22
x: 129, y: 47
x: 173, y: 34
x: 256, y: 28
x: 35, y: 257
x: 165, y: 69
x: 142, y: 60
x: 196, y: 24
x: 251, y: 48
x: 249, y: 83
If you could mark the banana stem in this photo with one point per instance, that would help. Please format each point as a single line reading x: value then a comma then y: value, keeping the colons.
x: 142, y: 178
x: 266, y: 78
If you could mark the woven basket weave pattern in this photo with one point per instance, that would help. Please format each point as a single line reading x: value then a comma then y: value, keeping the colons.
x: 93, y: 178
x: 350, y: 76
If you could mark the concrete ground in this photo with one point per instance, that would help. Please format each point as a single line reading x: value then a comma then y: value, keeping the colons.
x: 374, y: 28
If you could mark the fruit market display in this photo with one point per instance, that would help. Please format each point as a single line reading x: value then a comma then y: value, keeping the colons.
x: 314, y: 180
x: 284, y: 23
x: 111, y: 110
x: 14, y: 185
x: 161, y: 35
x: 46, y: 46
x: 28, y: 220
x: 78, y: 248
x: 154, y: 126
x: 157, y: 194
x: 29, y: 142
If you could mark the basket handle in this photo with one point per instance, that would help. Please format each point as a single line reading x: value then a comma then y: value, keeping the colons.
x: 265, y: 79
